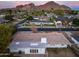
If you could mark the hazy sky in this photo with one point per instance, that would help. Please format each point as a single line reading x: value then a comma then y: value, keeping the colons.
x: 10, y: 4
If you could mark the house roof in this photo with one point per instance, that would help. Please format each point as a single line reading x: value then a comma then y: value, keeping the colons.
x: 26, y: 38
x: 41, y: 21
x: 23, y: 44
x: 61, y: 18
x: 41, y: 17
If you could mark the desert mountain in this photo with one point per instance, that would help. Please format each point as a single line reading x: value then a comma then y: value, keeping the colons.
x: 48, y: 6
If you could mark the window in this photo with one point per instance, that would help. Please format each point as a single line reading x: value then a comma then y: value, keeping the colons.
x: 33, y: 51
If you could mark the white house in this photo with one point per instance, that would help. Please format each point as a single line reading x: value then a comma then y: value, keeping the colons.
x: 29, y: 47
x: 37, y: 43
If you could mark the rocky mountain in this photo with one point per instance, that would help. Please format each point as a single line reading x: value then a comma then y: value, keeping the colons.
x: 65, y: 7
x: 48, y: 6
x: 30, y: 6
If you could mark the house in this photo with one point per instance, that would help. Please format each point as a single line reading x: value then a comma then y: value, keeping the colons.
x: 42, y: 18
x: 37, y: 43
x: 38, y: 22
x: 3, y: 21
x: 1, y: 16
x: 77, y: 16
x: 75, y: 38
x: 66, y: 21
x: 58, y: 24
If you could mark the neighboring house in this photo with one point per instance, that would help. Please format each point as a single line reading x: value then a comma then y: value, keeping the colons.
x: 43, y: 18
x: 1, y: 16
x: 75, y: 37
x: 38, y: 22
x: 36, y: 18
x: 3, y: 21
x: 77, y: 16
x: 58, y: 24
x: 37, y: 43
x: 75, y: 40
x: 66, y: 21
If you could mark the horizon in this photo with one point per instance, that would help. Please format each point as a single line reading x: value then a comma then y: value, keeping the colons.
x: 74, y: 5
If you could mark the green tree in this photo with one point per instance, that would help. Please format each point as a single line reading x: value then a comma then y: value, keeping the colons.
x: 9, y: 11
x: 52, y: 19
x: 59, y: 12
x: 73, y: 12
x: 9, y: 17
x: 6, y: 32
x: 29, y: 18
x: 76, y: 22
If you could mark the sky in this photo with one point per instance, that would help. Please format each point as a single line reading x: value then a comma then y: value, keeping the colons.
x: 10, y: 4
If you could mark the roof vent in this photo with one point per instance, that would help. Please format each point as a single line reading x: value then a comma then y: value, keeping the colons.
x: 17, y: 43
x: 34, y: 44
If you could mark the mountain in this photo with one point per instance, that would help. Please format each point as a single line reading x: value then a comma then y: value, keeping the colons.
x: 47, y: 6
x: 26, y: 6
x: 66, y: 7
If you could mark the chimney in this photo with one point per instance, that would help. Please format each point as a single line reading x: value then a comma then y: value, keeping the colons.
x: 43, y: 40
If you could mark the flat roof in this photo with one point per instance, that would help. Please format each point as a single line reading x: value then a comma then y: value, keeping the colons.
x: 52, y: 37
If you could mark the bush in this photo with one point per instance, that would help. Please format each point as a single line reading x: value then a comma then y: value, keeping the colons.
x: 76, y: 22
x: 6, y: 32
x: 9, y: 17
